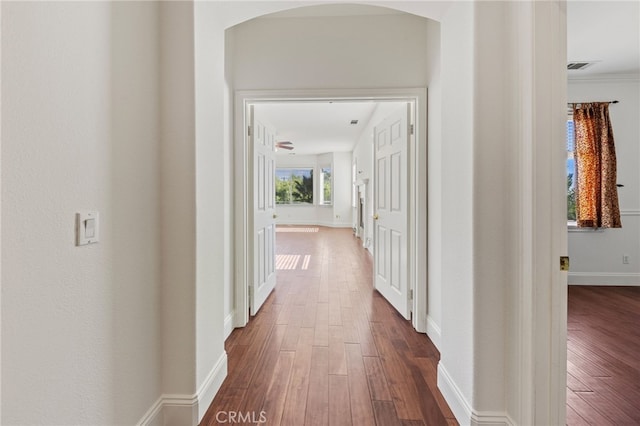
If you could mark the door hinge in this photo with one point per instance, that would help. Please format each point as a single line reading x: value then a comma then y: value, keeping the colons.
x: 564, y: 263
x: 248, y: 130
x: 411, y: 294
x: 411, y: 129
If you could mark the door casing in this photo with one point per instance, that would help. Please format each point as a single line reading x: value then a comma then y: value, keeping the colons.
x: 417, y: 153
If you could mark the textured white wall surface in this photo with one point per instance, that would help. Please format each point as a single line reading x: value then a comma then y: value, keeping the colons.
x: 342, y: 188
x: 80, y: 325
x: 434, y: 185
x: 125, y: 108
x: 338, y: 52
x: 457, y: 348
x: 596, y: 257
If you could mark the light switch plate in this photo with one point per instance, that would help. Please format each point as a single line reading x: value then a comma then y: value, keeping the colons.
x: 87, y: 227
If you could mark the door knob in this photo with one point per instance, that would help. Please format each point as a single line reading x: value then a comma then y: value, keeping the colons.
x: 375, y: 216
x: 275, y: 215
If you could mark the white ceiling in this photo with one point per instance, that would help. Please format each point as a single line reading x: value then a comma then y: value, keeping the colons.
x: 607, y: 32
x: 604, y: 31
x: 320, y: 127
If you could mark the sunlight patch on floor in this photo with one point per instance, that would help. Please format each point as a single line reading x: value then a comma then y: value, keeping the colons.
x: 290, y: 262
x: 297, y: 229
x: 305, y: 262
x: 287, y: 261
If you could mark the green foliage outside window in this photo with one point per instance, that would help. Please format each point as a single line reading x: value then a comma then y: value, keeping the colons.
x: 294, y: 186
x: 571, y: 198
x: 326, y: 185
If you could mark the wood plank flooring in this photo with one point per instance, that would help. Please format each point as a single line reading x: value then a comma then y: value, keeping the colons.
x: 603, y: 357
x: 326, y: 349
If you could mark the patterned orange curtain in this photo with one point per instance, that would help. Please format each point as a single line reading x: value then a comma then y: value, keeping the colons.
x: 595, y: 157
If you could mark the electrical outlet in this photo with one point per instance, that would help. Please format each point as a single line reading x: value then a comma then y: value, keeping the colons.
x: 625, y: 259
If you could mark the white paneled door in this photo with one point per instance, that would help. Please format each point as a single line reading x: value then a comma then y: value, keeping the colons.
x: 262, y: 142
x: 390, y: 209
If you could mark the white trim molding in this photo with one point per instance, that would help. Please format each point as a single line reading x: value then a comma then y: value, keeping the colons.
x: 491, y: 418
x: 242, y: 187
x: 211, y: 384
x: 229, y: 323
x: 433, y: 331
x: 461, y: 407
x: 596, y: 78
x: 453, y: 395
x: 184, y: 409
x: 316, y: 223
x: 153, y: 416
x: 605, y: 278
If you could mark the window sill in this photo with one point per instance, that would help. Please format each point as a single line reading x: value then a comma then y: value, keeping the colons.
x: 573, y: 227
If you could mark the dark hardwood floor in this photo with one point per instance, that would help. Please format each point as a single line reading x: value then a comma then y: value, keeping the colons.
x: 325, y: 349
x: 603, y: 358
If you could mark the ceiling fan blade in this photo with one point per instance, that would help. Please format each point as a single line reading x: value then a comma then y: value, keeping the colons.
x: 283, y: 143
x: 285, y: 147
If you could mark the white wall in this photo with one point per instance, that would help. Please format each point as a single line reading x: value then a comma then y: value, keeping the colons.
x: 80, y: 325
x: 338, y: 214
x: 341, y: 188
x: 457, y: 328
x: 596, y: 256
x: 212, y: 188
x: 338, y: 52
x: 463, y: 349
x: 177, y: 159
x: 59, y: 50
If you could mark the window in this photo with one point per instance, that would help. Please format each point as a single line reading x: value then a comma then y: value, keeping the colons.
x: 571, y: 171
x: 294, y: 186
x: 592, y: 193
x: 326, y: 186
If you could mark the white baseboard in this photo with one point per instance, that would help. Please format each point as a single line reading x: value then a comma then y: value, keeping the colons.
x: 433, y: 331
x: 317, y: 223
x: 604, y: 278
x: 187, y: 410
x: 180, y: 410
x: 171, y: 409
x: 462, y: 409
x: 211, y: 385
x: 228, y: 324
x: 457, y: 402
x: 491, y: 418
x: 153, y: 417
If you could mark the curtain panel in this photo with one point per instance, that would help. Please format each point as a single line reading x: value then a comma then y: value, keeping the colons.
x: 595, y: 157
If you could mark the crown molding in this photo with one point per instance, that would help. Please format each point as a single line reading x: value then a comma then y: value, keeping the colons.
x: 604, y: 77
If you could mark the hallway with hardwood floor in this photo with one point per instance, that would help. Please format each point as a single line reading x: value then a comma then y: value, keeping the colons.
x: 603, y: 366
x: 326, y: 349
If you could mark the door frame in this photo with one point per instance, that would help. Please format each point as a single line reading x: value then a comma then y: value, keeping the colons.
x: 417, y: 221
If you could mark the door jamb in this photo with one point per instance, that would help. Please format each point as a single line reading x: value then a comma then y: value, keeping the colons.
x: 417, y: 219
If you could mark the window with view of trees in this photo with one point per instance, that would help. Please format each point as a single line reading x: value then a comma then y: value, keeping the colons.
x: 326, y: 185
x: 294, y: 186
x: 571, y: 171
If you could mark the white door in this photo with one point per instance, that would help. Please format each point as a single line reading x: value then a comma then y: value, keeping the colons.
x: 262, y: 142
x: 390, y: 209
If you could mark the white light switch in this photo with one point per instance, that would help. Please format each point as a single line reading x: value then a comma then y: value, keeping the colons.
x: 87, y: 228
x: 90, y: 228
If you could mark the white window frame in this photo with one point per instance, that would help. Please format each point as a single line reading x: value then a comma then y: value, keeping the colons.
x: 321, y: 200
x: 313, y: 195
